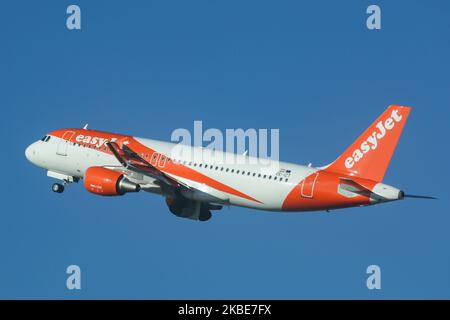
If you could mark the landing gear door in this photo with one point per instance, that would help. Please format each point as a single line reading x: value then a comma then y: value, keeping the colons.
x: 61, y: 149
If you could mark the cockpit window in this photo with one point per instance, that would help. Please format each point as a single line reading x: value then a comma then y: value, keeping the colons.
x: 48, y: 138
x: 43, y: 138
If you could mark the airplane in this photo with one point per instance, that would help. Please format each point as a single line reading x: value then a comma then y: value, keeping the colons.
x: 114, y: 164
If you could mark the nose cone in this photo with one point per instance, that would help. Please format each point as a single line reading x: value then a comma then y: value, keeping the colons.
x: 30, y: 152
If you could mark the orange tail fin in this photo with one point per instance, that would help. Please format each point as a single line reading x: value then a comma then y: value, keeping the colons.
x: 369, y: 156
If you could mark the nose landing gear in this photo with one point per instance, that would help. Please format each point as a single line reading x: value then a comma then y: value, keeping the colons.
x: 65, y: 179
x: 57, y: 187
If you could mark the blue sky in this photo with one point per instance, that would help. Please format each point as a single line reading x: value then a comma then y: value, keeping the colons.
x: 311, y: 69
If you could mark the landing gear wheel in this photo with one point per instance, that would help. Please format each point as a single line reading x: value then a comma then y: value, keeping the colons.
x: 57, y: 187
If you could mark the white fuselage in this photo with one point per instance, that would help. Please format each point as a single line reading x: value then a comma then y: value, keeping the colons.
x: 267, y: 181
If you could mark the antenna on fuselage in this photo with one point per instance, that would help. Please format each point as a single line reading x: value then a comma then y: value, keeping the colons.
x: 85, y: 126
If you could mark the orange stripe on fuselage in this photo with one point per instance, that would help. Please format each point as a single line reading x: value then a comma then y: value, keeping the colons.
x: 170, y: 167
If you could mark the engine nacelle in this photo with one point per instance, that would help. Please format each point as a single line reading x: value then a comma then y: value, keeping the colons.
x: 106, y: 182
x: 185, y: 208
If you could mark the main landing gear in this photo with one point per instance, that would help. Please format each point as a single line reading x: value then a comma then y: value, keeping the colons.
x: 57, y: 187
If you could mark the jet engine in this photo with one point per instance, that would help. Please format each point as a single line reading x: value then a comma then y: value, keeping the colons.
x: 106, y: 182
x: 186, y: 208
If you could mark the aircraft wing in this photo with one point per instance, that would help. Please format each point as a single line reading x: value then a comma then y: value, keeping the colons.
x: 132, y: 162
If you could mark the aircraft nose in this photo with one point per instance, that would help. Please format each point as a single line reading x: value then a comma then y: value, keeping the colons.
x: 30, y: 152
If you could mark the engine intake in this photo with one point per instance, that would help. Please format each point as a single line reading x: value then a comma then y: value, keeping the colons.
x: 106, y: 182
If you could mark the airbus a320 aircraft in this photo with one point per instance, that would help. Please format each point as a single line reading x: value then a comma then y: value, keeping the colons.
x: 114, y: 164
